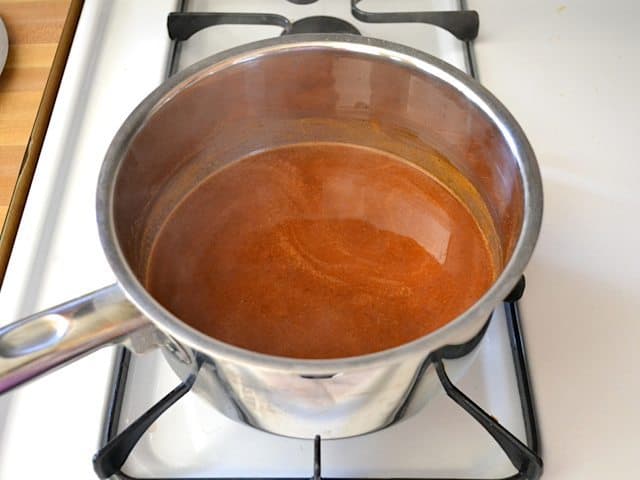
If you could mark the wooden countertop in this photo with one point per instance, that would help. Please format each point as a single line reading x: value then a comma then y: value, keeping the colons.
x: 28, y: 85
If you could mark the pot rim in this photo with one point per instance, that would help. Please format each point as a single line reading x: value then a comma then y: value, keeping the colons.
x: 400, y: 54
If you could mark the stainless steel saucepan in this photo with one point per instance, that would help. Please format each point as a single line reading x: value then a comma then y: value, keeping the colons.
x: 299, y: 88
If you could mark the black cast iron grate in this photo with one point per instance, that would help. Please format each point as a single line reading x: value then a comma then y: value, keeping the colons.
x: 115, y: 447
x: 463, y: 24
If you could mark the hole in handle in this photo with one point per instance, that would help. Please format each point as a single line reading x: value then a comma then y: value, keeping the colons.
x: 320, y: 376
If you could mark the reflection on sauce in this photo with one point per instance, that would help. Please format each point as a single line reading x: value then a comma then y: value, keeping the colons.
x: 319, y: 251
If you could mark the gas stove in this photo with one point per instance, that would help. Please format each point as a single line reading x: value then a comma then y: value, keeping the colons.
x: 146, y: 42
x: 190, y: 440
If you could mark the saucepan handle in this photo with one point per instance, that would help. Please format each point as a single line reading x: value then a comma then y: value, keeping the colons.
x: 50, y: 339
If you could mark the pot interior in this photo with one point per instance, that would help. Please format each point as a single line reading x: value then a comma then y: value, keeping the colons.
x: 302, y: 94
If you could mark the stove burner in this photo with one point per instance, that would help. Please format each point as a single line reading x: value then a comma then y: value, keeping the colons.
x: 322, y: 24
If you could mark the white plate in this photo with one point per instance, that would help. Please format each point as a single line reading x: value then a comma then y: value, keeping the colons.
x: 4, y: 45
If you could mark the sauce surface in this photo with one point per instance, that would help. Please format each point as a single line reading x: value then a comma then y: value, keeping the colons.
x: 319, y: 251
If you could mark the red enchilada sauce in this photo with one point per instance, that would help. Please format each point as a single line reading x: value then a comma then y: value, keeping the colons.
x: 319, y: 251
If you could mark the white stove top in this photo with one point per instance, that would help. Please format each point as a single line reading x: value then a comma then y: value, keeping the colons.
x: 584, y: 269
